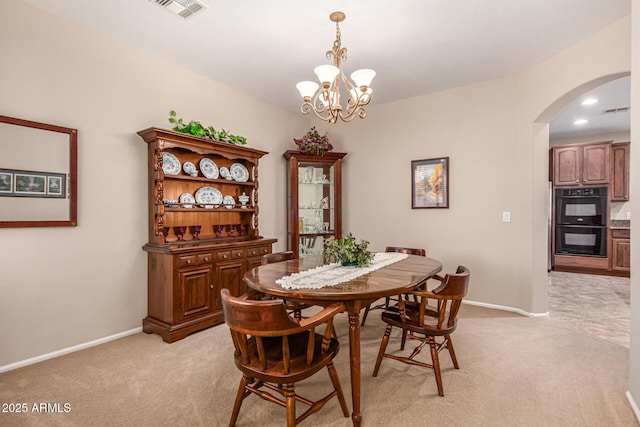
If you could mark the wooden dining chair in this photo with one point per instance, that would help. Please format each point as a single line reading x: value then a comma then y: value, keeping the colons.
x: 275, y: 351
x: 387, y: 300
x: 294, y: 306
x: 425, y: 322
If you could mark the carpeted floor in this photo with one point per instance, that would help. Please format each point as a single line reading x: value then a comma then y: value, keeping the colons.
x: 515, y: 371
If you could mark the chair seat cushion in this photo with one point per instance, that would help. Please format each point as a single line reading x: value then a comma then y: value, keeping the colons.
x: 298, y: 369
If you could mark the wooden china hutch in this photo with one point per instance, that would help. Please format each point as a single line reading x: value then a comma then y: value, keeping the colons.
x: 203, y: 229
x: 314, y: 198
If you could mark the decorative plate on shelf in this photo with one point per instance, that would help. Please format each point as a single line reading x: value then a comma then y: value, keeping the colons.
x: 170, y: 164
x: 189, y: 168
x: 239, y: 172
x: 229, y: 202
x: 224, y: 172
x: 209, y: 168
x: 208, y: 196
x: 187, y: 198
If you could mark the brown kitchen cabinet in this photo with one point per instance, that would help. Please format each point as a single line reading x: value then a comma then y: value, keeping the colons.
x: 620, y: 172
x: 187, y: 267
x: 314, y: 198
x: 582, y: 164
x: 621, y: 250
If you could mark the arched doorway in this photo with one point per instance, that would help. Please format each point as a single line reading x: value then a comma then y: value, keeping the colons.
x: 540, y: 186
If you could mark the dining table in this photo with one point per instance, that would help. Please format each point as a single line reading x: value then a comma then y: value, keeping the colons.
x: 400, y: 276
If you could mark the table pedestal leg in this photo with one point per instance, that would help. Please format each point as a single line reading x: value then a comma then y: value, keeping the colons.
x: 354, y: 352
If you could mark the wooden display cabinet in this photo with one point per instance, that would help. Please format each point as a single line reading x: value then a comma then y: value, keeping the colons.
x: 197, y: 249
x: 314, y: 198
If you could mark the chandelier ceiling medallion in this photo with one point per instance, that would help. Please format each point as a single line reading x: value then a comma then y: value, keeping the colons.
x: 325, y: 102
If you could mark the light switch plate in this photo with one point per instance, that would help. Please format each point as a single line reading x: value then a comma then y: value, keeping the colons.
x: 506, y: 216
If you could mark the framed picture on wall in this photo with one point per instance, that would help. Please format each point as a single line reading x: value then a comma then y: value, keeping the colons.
x: 30, y: 184
x: 430, y: 183
x: 55, y: 185
x: 6, y: 182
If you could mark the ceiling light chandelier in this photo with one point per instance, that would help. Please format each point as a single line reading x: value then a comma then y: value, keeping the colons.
x: 325, y: 103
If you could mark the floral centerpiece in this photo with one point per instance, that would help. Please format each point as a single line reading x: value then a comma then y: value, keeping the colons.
x: 313, y: 143
x: 347, y: 251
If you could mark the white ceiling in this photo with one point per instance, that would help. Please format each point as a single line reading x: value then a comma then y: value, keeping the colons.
x: 610, y: 96
x: 416, y: 46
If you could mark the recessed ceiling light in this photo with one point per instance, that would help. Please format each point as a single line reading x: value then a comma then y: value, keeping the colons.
x: 589, y: 101
x: 580, y: 121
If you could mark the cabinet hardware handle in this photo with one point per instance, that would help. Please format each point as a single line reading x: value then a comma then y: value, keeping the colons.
x: 224, y: 256
x: 188, y: 261
x: 206, y: 259
x: 211, y: 286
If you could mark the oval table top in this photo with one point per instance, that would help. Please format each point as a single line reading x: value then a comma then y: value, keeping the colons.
x: 392, y: 279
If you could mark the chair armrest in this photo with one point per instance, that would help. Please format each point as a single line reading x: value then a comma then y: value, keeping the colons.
x: 322, y: 316
x: 437, y: 277
x: 425, y: 294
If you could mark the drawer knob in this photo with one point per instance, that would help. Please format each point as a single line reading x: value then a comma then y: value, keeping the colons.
x: 224, y: 256
x: 211, y: 286
x: 188, y: 261
x: 206, y: 259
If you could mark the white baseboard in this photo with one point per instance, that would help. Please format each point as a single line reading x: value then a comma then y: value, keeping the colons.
x: 67, y: 350
x: 634, y: 406
x: 505, y: 308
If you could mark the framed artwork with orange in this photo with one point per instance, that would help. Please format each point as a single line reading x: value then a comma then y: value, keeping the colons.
x: 430, y: 183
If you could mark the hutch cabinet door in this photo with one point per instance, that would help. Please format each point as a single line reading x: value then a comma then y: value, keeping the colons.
x: 194, y: 298
x: 228, y: 275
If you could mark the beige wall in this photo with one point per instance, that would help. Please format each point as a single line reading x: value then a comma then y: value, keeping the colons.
x: 61, y: 287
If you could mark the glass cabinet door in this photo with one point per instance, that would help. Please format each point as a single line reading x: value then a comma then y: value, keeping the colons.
x: 314, y: 201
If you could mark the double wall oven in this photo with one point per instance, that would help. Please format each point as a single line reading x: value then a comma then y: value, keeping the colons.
x: 581, y: 221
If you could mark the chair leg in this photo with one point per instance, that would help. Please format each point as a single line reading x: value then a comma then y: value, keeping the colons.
x: 404, y: 339
x: 333, y: 374
x: 452, y: 352
x: 387, y: 301
x: 364, y: 316
x: 436, y: 364
x: 383, y: 347
x: 239, y: 399
x: 290, y: 395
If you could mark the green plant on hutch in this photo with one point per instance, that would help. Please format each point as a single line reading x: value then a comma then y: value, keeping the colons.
x: 197, y: 129
x: 348, y: 251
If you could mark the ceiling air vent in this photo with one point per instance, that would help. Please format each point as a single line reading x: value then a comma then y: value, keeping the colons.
x: 184, y: 8
x: 616, y: 110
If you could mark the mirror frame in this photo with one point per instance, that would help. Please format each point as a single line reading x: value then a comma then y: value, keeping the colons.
x: 72, y: 178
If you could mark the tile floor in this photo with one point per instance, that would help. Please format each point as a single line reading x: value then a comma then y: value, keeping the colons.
x: 593, y: 304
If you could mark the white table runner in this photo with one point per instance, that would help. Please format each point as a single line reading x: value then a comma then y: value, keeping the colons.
x: 334, y: 274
